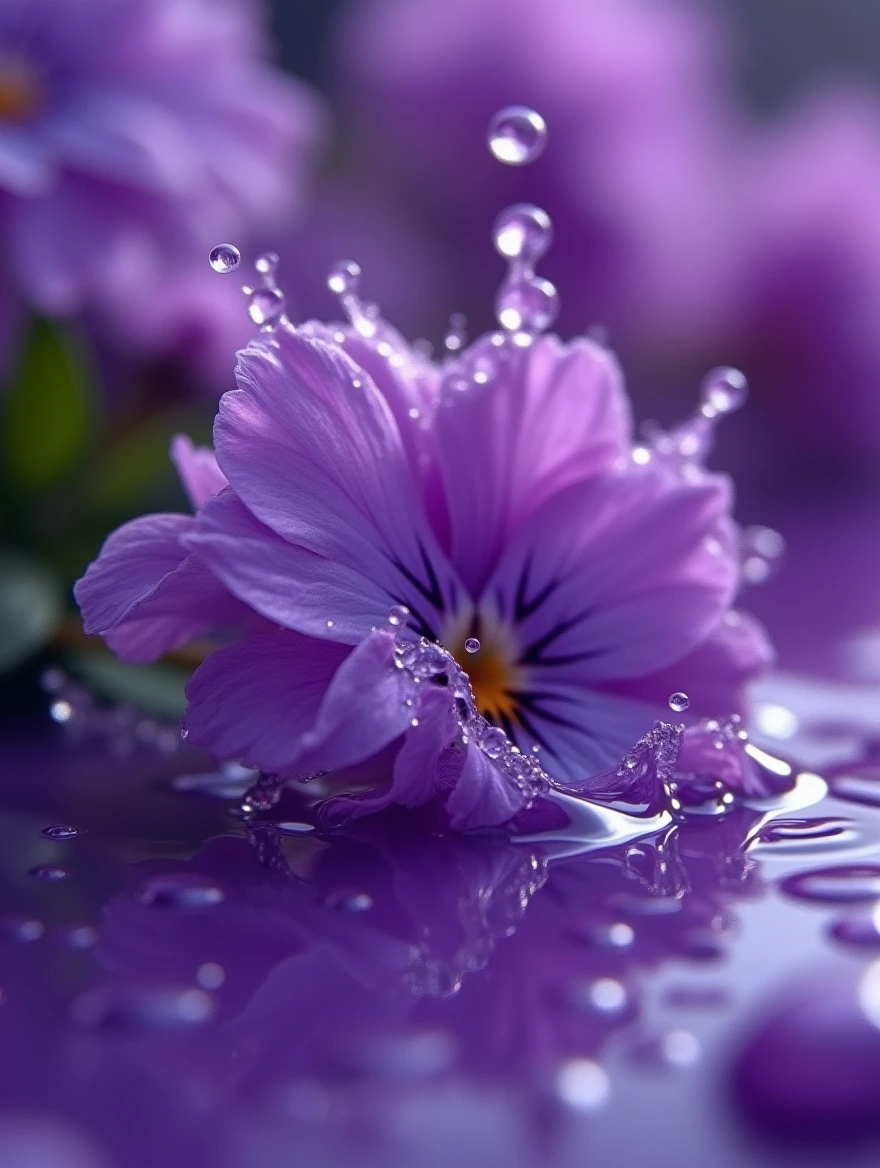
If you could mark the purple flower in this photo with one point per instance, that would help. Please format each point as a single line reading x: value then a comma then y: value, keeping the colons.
x: 553, y: 585
x: 134, y: 132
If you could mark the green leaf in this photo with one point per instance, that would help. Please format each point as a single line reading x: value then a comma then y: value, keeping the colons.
x: 137, y: 468
x: 158, y: 689
x: 47, y: 416
x: 31, y: 607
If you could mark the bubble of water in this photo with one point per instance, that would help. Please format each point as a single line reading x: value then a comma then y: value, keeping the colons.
x: 49, y: 872
x: 344, y: 278
x: 266, y: 305
x: 851, y: 884
x: 267, y: 263
x: 528, y: 305
x: 60, y: 831
x: 517, y: 135
x: 493, y: 741
x: 61, y: 711
x: 522, y: 232
x: 180, y: 891
x: 224, y: 258
x: 398, y: 615
x: 583, y: 1085
x: 679, y: 702
x: 350, y: 902
x: 724, y: 390
x: 472, y: 645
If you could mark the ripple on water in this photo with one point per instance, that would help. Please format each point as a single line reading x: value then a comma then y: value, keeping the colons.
x: 848, y: 884
x: 813, y: 836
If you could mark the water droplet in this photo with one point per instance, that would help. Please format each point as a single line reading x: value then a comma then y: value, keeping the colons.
x: 679, y: 702
x: 266, y: 305
x: 351, y: 902
x: 60, y: 831
x: 267, y: 263
x: 78, y: 936
x: 127, y: 1007
x: 225, y: 257
x: 472, y: 645
x: 456, y: 335
x: 210, y: 975
x: 61, y: 711
x: 582, y: 1084
x: 522, y: 232
x: 527, y: 304
x: 21, y: 929
x: 605, y: 994
x: 492, y: 741
x: 230, y: 782
x: 181, y: 891
x: 344, y: 278
x: 844, y: 885
x: 292, y: 828
x: 517, y: 135
x: 724, y: 390
x: 398, y: 615
x: 49, y: 872
x: 679, y: 1048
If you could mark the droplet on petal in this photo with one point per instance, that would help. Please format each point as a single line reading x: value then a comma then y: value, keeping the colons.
x: 517, y: 135
x: 266, y: 305
x: 224, y: 258
x: 398, y: 615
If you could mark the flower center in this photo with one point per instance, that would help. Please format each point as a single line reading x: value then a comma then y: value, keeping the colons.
x: 495, y: 677
x: 20, y: 91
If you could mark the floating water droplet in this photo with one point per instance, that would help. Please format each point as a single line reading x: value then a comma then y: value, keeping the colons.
x: 224, y: 258
x: 180, y: 891
x: 60, y: 831
x: 526, y: 305
x: 472, y: 645
x: 492, y: 741
x: 49, y: 872
x: 127, y: 1007
x: 844, y: 885
x: 582, y: 1085
x: 21, y: 929
x: 61, y: 711
x: 266, y: 306
x: 517, y: 135
x: 456, y: 335
x: 344, y: 278
x: 398, y: 615
x: 724, y: 390
x: 210, y: 975
x: 679, y: 702
x: 351, y: 902
x: 522, y: 232
x: 78, y: 936
x: 267, y: 263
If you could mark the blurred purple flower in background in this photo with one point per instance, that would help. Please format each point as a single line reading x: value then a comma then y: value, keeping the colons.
x: 695, y: 232
x: 134, y: 134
